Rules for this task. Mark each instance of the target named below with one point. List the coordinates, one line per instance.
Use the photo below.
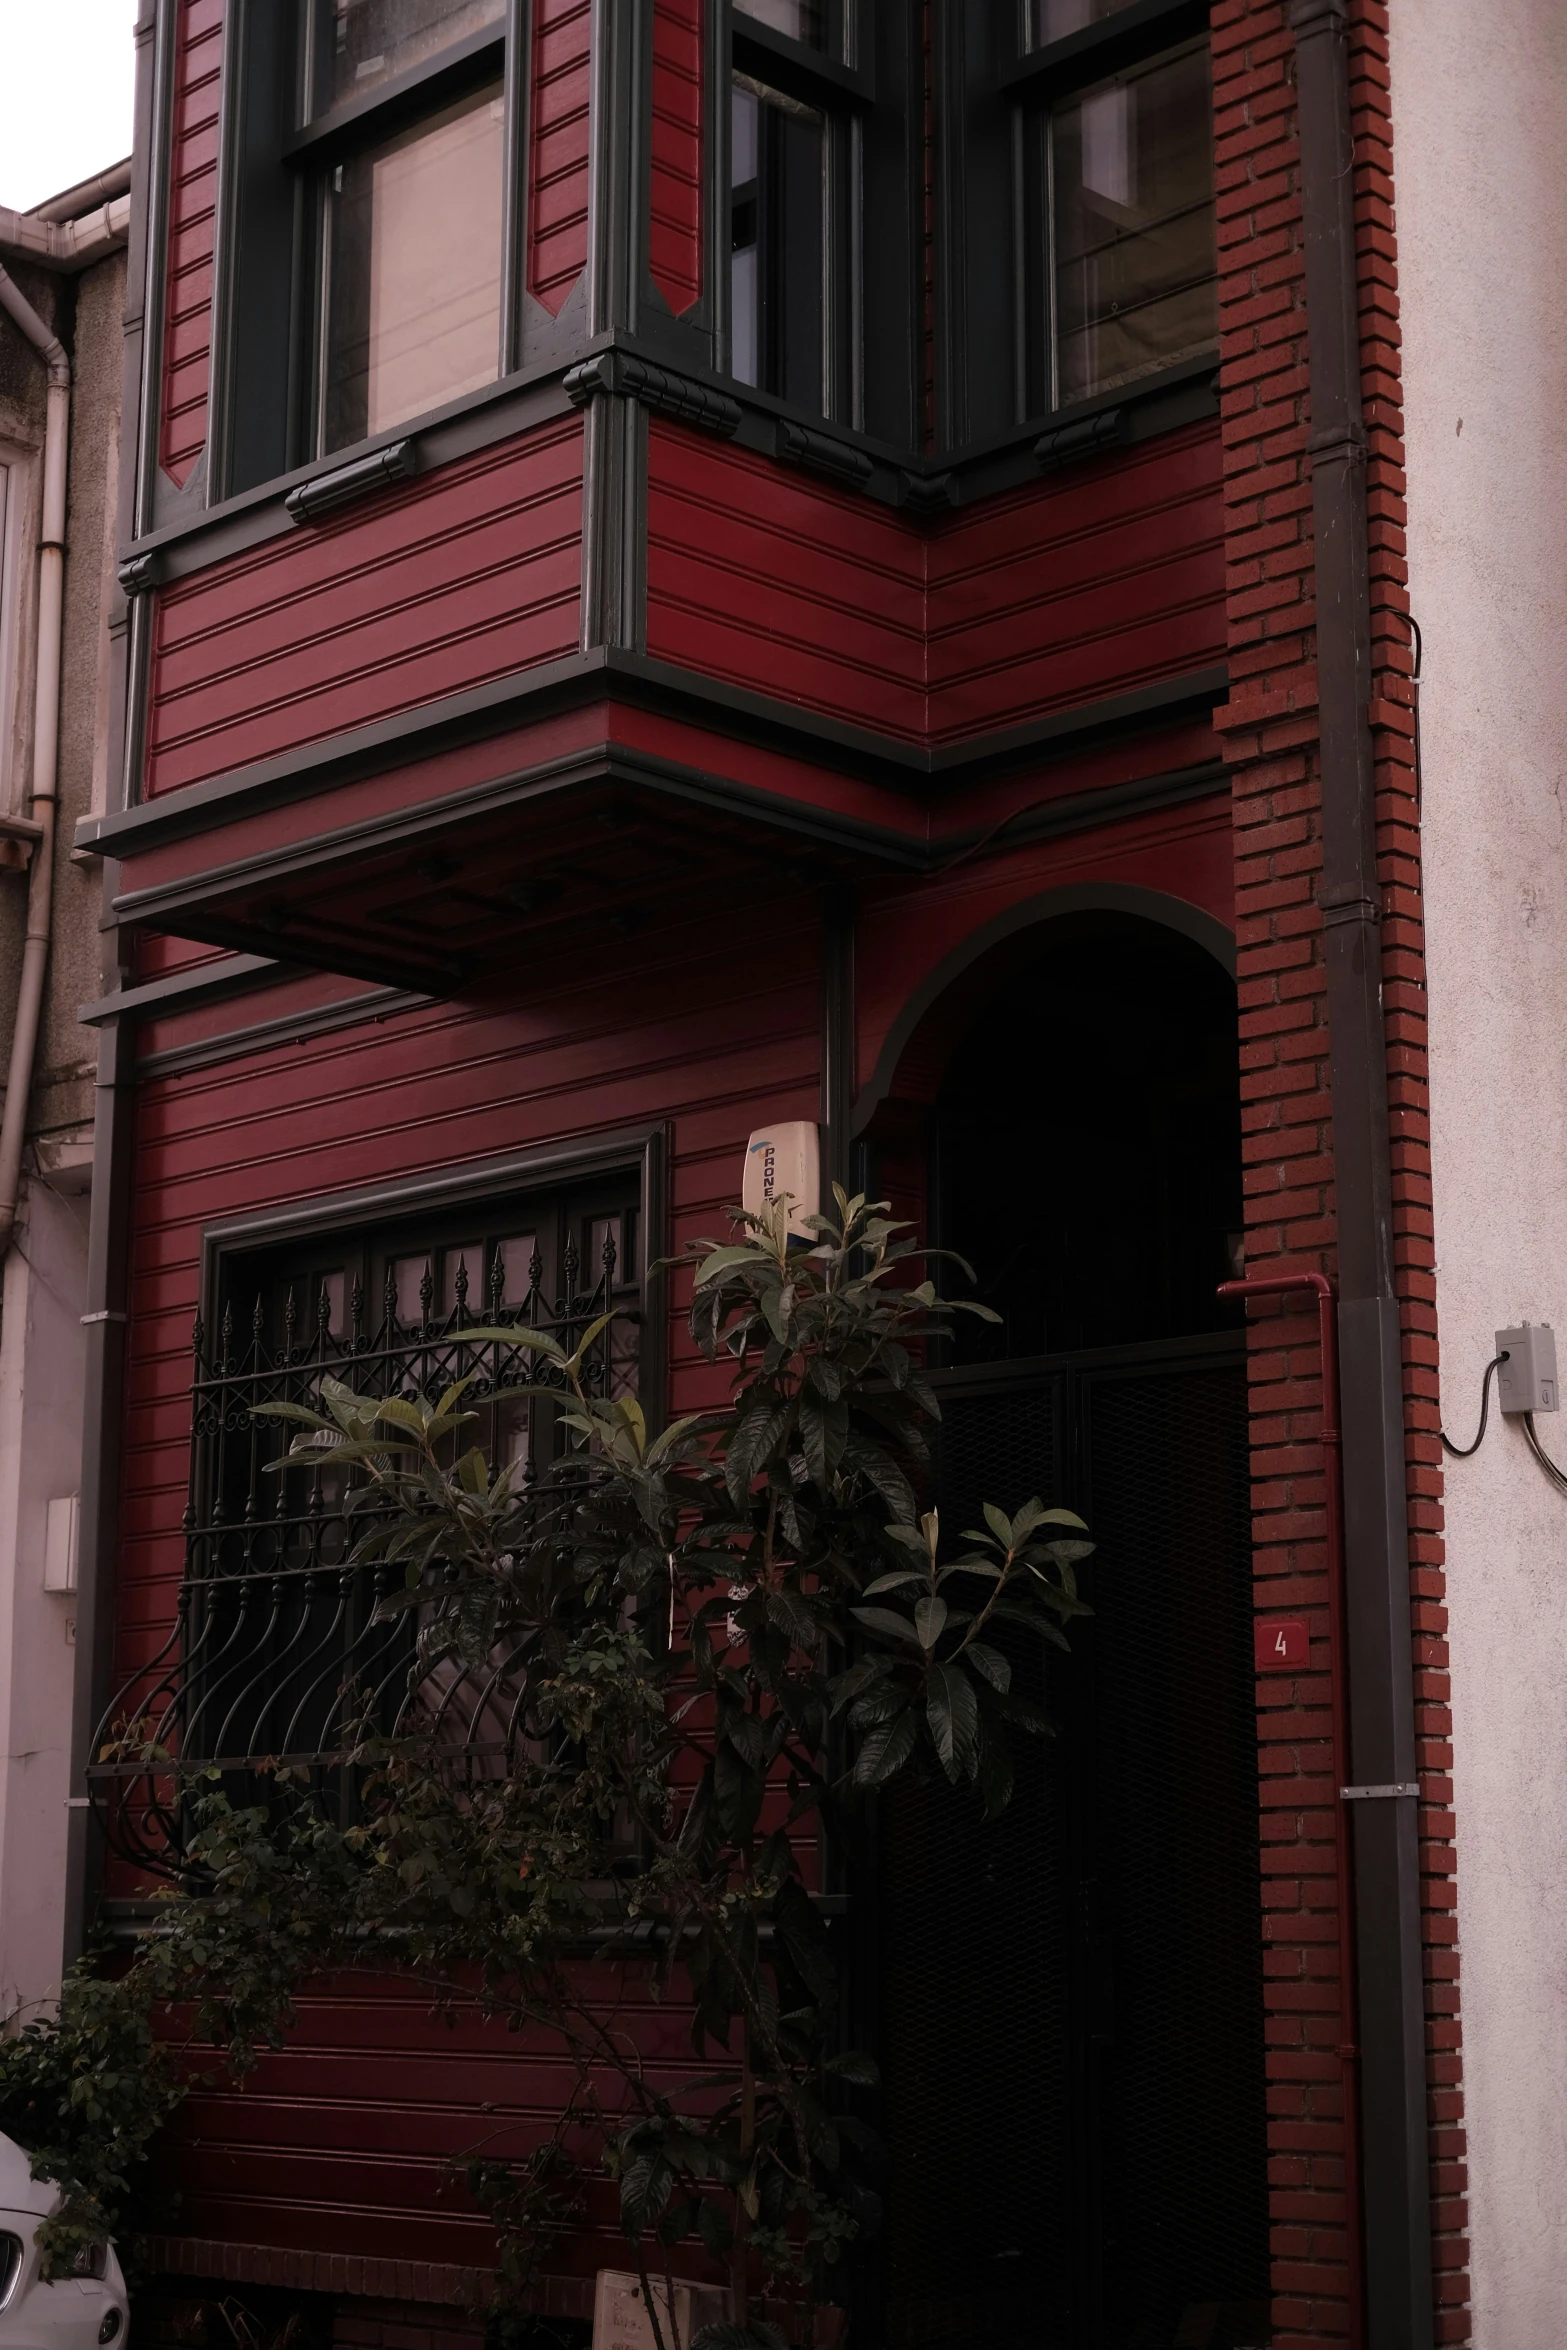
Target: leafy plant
(732, 1630)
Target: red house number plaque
(1282, 1644)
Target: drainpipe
(1395, 2173)
(46, 749)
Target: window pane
(413, 1286)
(1052, 20)
(778, 152)
(413, 301)
(515, 1257)
(1132, 206)
(462, 1282)
(362, 43)
(799, 20)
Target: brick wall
(1270, 732)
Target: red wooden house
(696, 562)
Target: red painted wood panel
(187, 336)
(675, 230)
(907, 931)
(339, 2142)
(766, 578)
(1098, 582)
(667, 1032)
(157, 958)
(465, 576)
(1068, 591)
(558, 149)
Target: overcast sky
(65, 93)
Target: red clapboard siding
(187, 339)
(558, 149)
(340, 2141)
(463, 577)
(675, 235)
(1058, 594)
(1086, 586)
(741, 584)
(677, 1033)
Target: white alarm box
(60, 1544)
(784, 1158)
(1528, 1376)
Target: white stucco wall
(42, 1369)
(1480, 130)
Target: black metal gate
(1068, 2003)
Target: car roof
(19, 2190)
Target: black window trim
(303, 152)
(642, 1152)
(1137, 31)
(844, 93)
(1042, 77)
(358, 122)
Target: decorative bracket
(325, 490)
(1064, 444)
(822, 454)
(19, 836)
(138, 573)
(658, 388)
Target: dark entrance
(1068, 2002)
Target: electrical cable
(1462, 1452)
(1557, 1476)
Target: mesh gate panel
(1171, 1821)
(1069, 2001)
(973, 1987)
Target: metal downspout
(46, 749)
(1395, 2172)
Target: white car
(79, 2312)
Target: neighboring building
(1482, 227)
(65, 264)
(697, 562)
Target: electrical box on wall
(1526, 1382)
(60, 1544)
(779, 1159)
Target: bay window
(352, 46)
(403, 103)
(1117, 242)
(795, 141)
(1130, 174)
(411, 271)
(363, 266)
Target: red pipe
(1278, 1285)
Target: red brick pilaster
(1270, 728)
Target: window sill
(855, 461)
(1186, 393)
(511, 404)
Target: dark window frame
(834, 82)
(269, 1607)
(1036, 84)
(462, 1195)
(268, 393)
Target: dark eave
(636, 681)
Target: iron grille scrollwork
(276, 1652)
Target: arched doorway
(1068, 2002)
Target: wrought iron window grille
(277, 1655)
